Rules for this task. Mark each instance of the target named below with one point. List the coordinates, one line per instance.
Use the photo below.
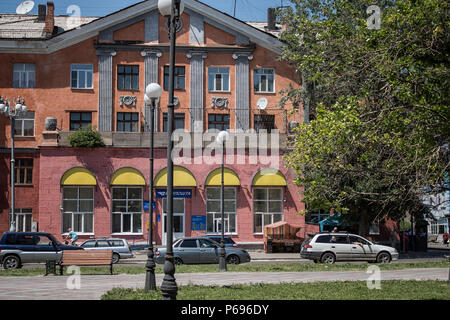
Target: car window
(43, 241)
(229, 240)
(26, 240)
(177, 243)
(354, 239)
(323, 239)
(339, 239)
(189, 243)
(206, 244)
(102, 244)
(10, 239)
(116, 243)
(88, 244)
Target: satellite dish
(262, 103)
(25, 7)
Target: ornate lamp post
(221, 138)
(152, 94)
(171, 9)
(12, 112)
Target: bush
(86, 138)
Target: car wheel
(178, 261)
(328, 258)
(115, 258)
(383, 257)
(11, 262)
(233, 259)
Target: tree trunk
(363, 223)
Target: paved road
(92, 287)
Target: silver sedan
(200, 250)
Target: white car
(119, 247)
(329, 247)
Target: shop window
(267, 207)
(214, 210)
(127, 210)
(78, 209)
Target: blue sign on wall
(177, 193)
(147, 206)
(198, 223)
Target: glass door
(178, 219)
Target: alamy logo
(73, 282)
(374, 280)
(374, 20)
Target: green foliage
(86, 138)
(379, 100)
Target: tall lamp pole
(152, 94)
(171, 9)
(18, 110)
(221, 138)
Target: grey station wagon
(331, 247)
(201, 250)
(119, 247)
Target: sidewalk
(92, 287)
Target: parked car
(199, 250)
(17, 248)
(227, 240)
(119, 247)
(329, 247)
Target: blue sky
(246, 10)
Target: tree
(379, 100)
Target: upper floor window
(178, 119)
(81, 76)
(24, 125)
(219, 121)
(127, 77)
(265, 122)
(218, 79)
(24, 75)
(80, 120)
(24, 171)
(179, 78)
(127, 121)
(263, 80)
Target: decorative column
(151, 76)
(105, 92)
(197, 87)
(242, 90)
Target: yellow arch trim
(127, 177)
(269, 177)
(182, 177)
(230, 178)
(78, 177)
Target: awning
(230, 178)
(182, 177)
(127, 177)
(269, 177)
(78, 177)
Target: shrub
(86, 138)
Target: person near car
(72, 236)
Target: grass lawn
(350, 290)
(249, 267)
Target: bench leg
(111, 268)
(61, 270)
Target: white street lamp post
(18, 110)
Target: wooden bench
(86, 258)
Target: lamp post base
(169, 288)
(150, 280)
(222, 261)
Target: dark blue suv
(17, 248)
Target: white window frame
(219, 213)
(78, 212)
(24, 75)
(223, 83)
(79, 69)
(25, 212)
(264, 74)
(126, 212)
(263, 214)
(22, 119)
